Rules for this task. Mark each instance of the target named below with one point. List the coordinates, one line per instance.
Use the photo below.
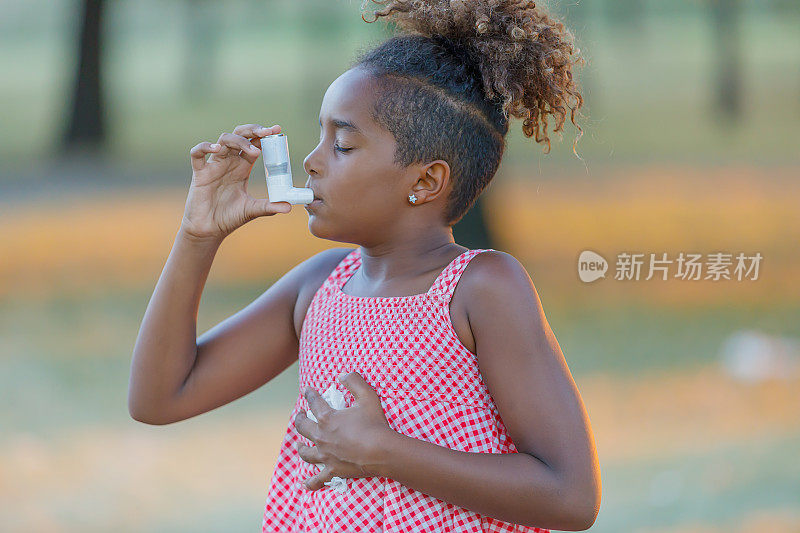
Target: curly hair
(455, 74)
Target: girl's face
(364, 193)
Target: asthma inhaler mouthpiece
(275, 151)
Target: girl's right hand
(218, 202)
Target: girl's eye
(339, 148)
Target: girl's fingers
(233, 141)
(237, 145)
(259, 207)
(198, 153)
(309, 454)
(318, 481)
(255, 130)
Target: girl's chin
(316, 226)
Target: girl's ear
(440, 167)
(436, 178)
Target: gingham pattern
(429, 386)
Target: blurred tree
(86, 125)
(202, 39)
(472, 231)
(726, 17)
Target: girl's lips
(317, 202)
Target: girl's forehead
(349, 98)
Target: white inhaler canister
(275, 151)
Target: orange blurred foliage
(123, 240)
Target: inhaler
(275, 150)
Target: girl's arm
(174, 375)
(554, 482)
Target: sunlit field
(683, 445)
(90, 241)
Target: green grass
(66, 360)
(635, 340)
(65, 367)
(689, 489)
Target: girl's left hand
(347, 441)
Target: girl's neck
(408, 261)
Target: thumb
(263, 207)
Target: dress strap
(442, 288)
(445, 284)
(344, 269)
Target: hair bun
(523, 56)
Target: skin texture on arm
(165, 346)
(253, 346)
(554, 481)
(230, 360)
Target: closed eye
(336, 146)
(341, 149)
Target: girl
(460, 412)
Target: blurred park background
(690, 145)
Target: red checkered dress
(430, 389)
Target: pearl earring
(412, 198)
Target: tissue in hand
(335, 399)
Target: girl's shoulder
(491, 272)
(484, 278)
(492, 266)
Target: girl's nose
(310, 163)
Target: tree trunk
(86, 126)
(728, 59)
(471, 231)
